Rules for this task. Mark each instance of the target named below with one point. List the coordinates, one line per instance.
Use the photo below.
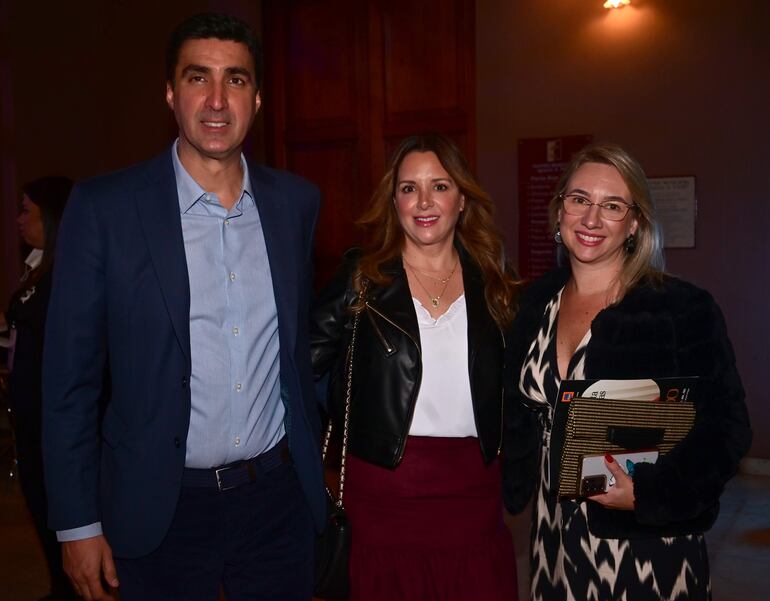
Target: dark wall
(83, 92)
(684, 86)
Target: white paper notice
(674, 199)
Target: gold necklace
(433, 277)
(434, 300)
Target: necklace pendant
(434, 301)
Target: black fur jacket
(674, 329)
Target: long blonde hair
(476, 231)
(646, 261)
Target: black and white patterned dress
(569, 563)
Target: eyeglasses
(612, 210)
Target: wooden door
(345, 80)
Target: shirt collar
(190, 192)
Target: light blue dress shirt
(237, 412)
(235, 385)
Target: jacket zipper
(388, 348)
(412, 402)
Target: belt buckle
(217, 473)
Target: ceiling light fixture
(616, 3)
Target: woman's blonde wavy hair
(476, 231)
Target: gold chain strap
(348, 392)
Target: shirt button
(227, 222)
(237, 440)
(232, 276)
(177, 442)
(235, 331)
(184, 382)
(238, 386)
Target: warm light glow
(616, 3)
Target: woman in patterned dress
(612, 313)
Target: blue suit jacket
(117, 349)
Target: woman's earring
(630, 244)
(557, 236)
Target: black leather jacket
(387, 367)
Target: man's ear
(170, 95)
(257, 101)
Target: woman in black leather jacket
(613, 314)
(423, 485)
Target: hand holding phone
(596, 479)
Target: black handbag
(332, 548)
(332, 554)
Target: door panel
(336, 165)
(346, 80)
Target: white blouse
(444, 406)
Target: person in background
(187, 278)
(423, 483)
(42, 205)
(613, 313)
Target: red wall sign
(541, 163)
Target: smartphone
(596, 478)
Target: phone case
(596, 478)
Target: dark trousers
(256, 541)
(30, 465)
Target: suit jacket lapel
(158, 207)
(281, 255)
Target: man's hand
(620, 496)
(85, 562)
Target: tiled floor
(739, 543)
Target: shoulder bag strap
(348, 391)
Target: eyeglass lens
(577, 205)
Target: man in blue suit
(181, 432)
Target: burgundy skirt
(430, 529)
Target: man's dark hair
(213, 25)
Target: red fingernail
(609, 458)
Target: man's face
(214, 97)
